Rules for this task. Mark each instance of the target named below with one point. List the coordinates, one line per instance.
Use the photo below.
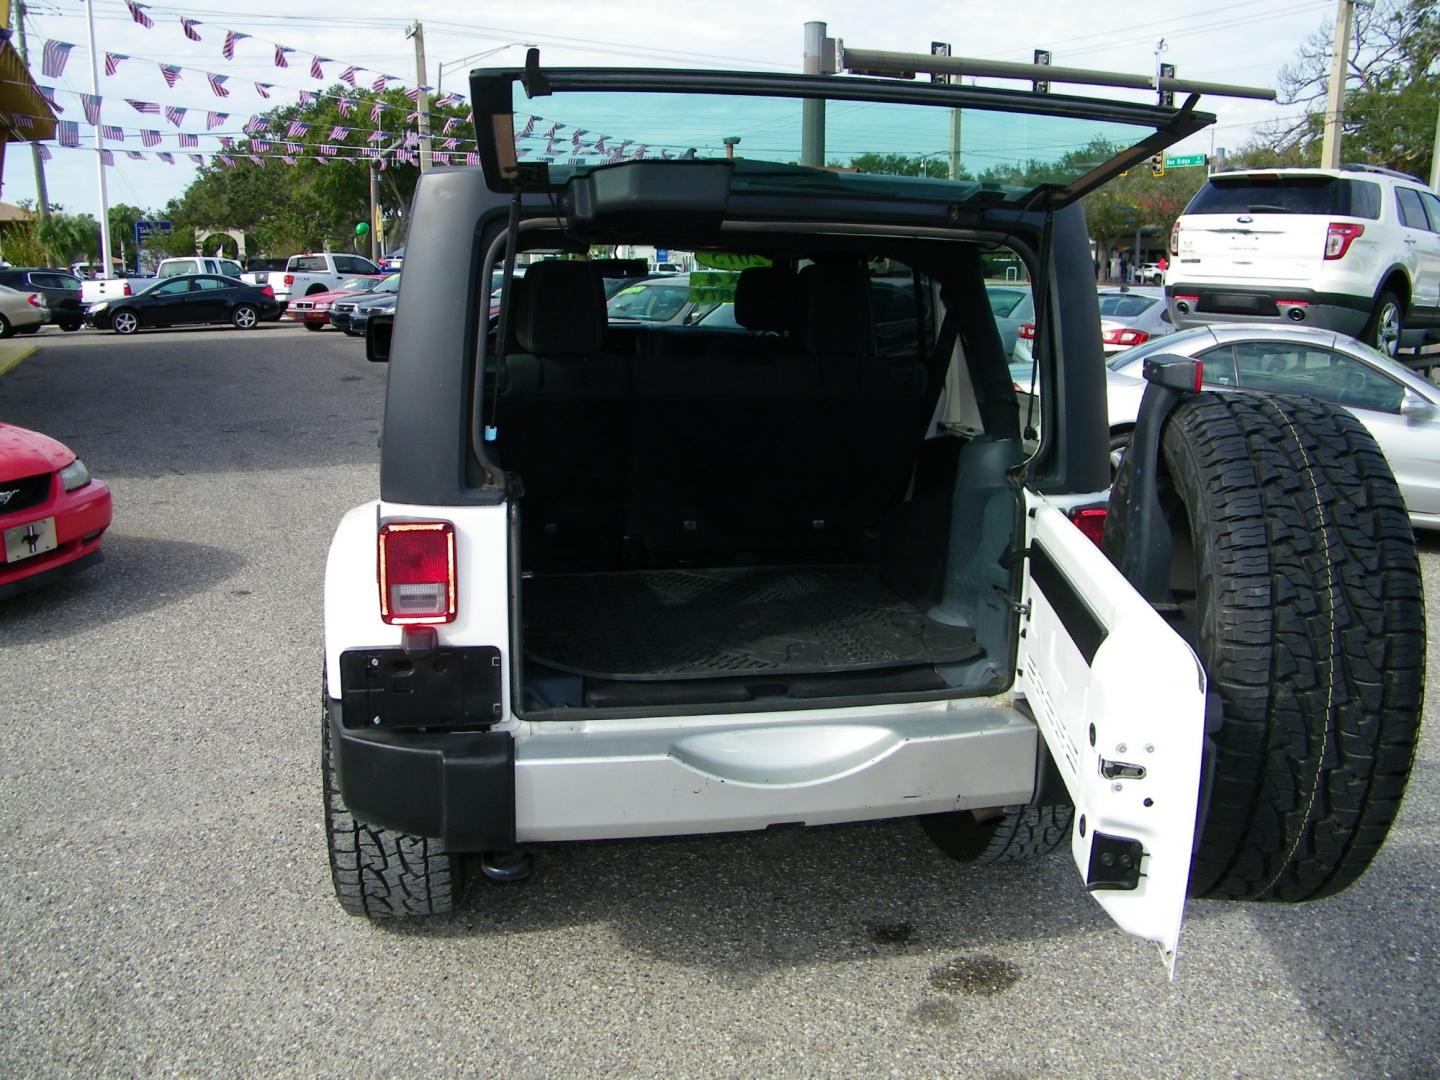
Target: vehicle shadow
(138, 574)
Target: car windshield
(355, 284)
(878, 141)
(1124, 305)
(1003, 302)
(650, 302)
(390, 284)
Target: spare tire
(1295, 577)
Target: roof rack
(1359, 166)
(903, 64)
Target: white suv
(1355, 249)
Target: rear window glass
(1412, 211)
(1288, 195)
(308, 264)
(1124, 307)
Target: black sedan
(179, 301)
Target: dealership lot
(165, 904)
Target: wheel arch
(1397, 281)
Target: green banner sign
(726, 260)
(712, 286)
(1185, 161)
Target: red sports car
(52, 514)
(313, 311)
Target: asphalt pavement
(165, 903)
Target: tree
(1392, 86)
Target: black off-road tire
(1298, 584)
(380, 873)
(1019, 832)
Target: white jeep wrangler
(808, 562)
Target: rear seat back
(561, 419)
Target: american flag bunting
(44, 151)
(260, 145)
(280, 51)
(257, 159)
(226, 160)
(217, 84)
(186, 139)
(67, 132)
(338, 132)
(52, 62)
(171, 74)
(263, 89)
(297, 129)
(344, 106)
(137, 12)
(287, 159)
(348, 75)
(166, 157)
(188, 25)
(379, 84)
(375, 111)
(198, 159)
(107, 157)
(112, 132)
(91, 104)
(48, 93)
(231, 37)
(316, 71)
(148, 108)
(112, 62)
(256, 124)
(215, 119)
(307, 97)
(135, 155)
(175, 114)
(150, 138)
(451, 121)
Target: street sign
(1042, 58)
(146, 229)
(1185, 161)
(939, 48)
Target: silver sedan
(1400, 409)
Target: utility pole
(422, 101)
(42, 197)
(106, 268)
(375, 251)
(1335, 99)
(812, 110)
(1435, 156)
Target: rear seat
(784, 446)
(561, 419)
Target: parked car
(1013, 307)
(52, 512)
(382, 304)
(181, 301)
(21, 312)
(608, 590)
(313, 311)
(1150, 274)
(93, 292)
(60, 289)
(1398, 407)
(341, 310)
(657, 301)
(305, 275)
(1354, 249)
(393, 261)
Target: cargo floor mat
(691, 624)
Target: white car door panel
(1120, 700)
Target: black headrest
(765, 299)
(837, 310)
(561, 309)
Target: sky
(1231, 41)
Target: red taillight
(1124, 335)
(125, 289)
(1027, 331)
(289, 279)
(268, 291)
(1090, 520)
(34, 300)
(1175, 240)
(417, 572)
(1187, 299)
(1338, 238)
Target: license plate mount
(445, 689)
(32, 538)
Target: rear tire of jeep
(1298, 584)
(1019, 832)
(1387, 323)
(380, 873)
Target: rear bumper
(1208, 304)
(612, 779)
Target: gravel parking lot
(165, 903)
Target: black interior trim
(1084, 628)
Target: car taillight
(125, 289)
(1338, 238)
(289, 279)
(268, 291)
(34, 300)
(1124, 335)
(1175, 240)
(1090, 520)
(417, 572)
(1027, 331)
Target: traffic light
(1157, 164)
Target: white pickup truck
(313, 273)
(92, 292)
